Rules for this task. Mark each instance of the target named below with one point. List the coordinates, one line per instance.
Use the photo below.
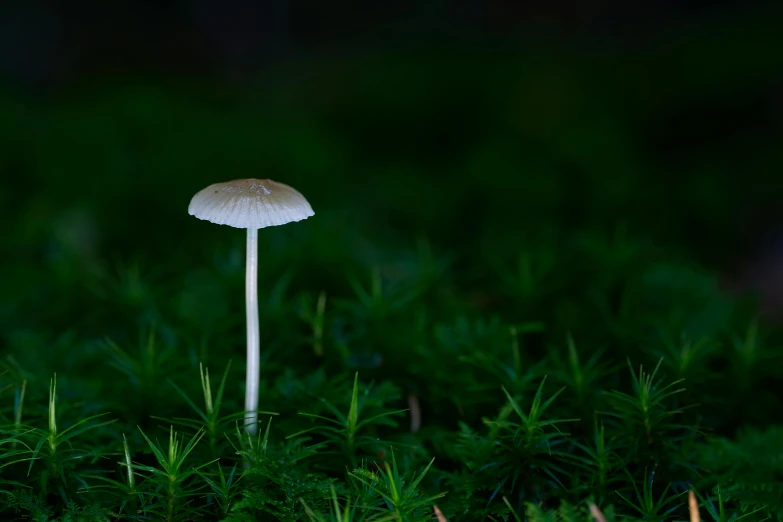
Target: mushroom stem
(253, 341)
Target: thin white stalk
(253, 341)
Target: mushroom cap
(250, 203)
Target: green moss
(558, 347)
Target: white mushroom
(250, 204)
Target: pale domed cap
(250, 203)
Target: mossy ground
(561, 338)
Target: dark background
(580, 170)
(471, 122)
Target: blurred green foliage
(484, 222)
